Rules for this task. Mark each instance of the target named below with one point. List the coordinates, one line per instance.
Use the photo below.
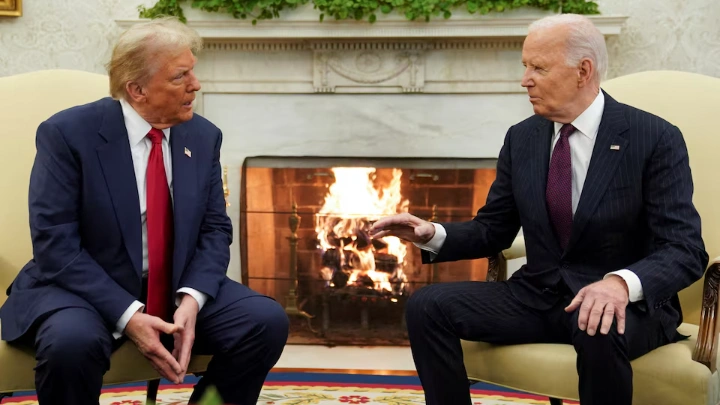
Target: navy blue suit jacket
(635, 212)
(85, 218)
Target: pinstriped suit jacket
(635, 212)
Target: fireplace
(304, 239)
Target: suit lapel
(117, 167)
(539, 153)
(603, 164)
(184, 171)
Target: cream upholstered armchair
(26, 101)
(682, 373)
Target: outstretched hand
(404, 226)
(606, 300)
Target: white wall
(660, 34)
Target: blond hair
(135, 56)
(584, 41)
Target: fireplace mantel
(303, 23)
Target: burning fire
(349, 254)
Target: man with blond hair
(131, 238)
(603, 193)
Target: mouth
(188, 104)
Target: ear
(586, 71)
(135, 92)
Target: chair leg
(555, 401)
(152, 390)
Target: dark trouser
(439, 315)
(246, 338)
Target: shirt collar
(136, 125)
(588, 122)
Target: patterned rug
(313, 389)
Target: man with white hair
(603, 193)
(131, 238)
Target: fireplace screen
(304, 239)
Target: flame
(350, 206)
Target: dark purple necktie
(558, 193)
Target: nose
(526, 81)
(194, 82)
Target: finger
(167, 328)
(607, 319)
(164, 368)
(176, 348)
(575, 303)
(382, 223)
(164, 356)
(596, 313)
(584, 313)
(185, 353)
(620, 316)
(165, 371)
(381, 234)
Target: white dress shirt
(140, 146)
(581, 142)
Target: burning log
(332, 268)
(386, 262)
(340, 278)
(364, 280)
(352, 260)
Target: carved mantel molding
(303, 23)
(298, 54)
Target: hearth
(304, 238)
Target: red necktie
(558, 193)
(159, 218)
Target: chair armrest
(497, 265)
(707, 340)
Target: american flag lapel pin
(187, 152)
(612, 147)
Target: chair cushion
(665, 376)
(126, 365)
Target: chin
(186, 116)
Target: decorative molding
(401, 45)
(254, 46)
(394, 65)
(305, 25)
(250, 45)
(477, 44)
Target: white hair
(584, 41)
(135, 56)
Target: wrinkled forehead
(545, 45)
(175, 60)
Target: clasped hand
(144, 330)
(601, 301)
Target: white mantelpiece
(297, 87)
(303, 23)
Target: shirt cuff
(635, 291)
(435, 244)
(125, 318)
(201, 298)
